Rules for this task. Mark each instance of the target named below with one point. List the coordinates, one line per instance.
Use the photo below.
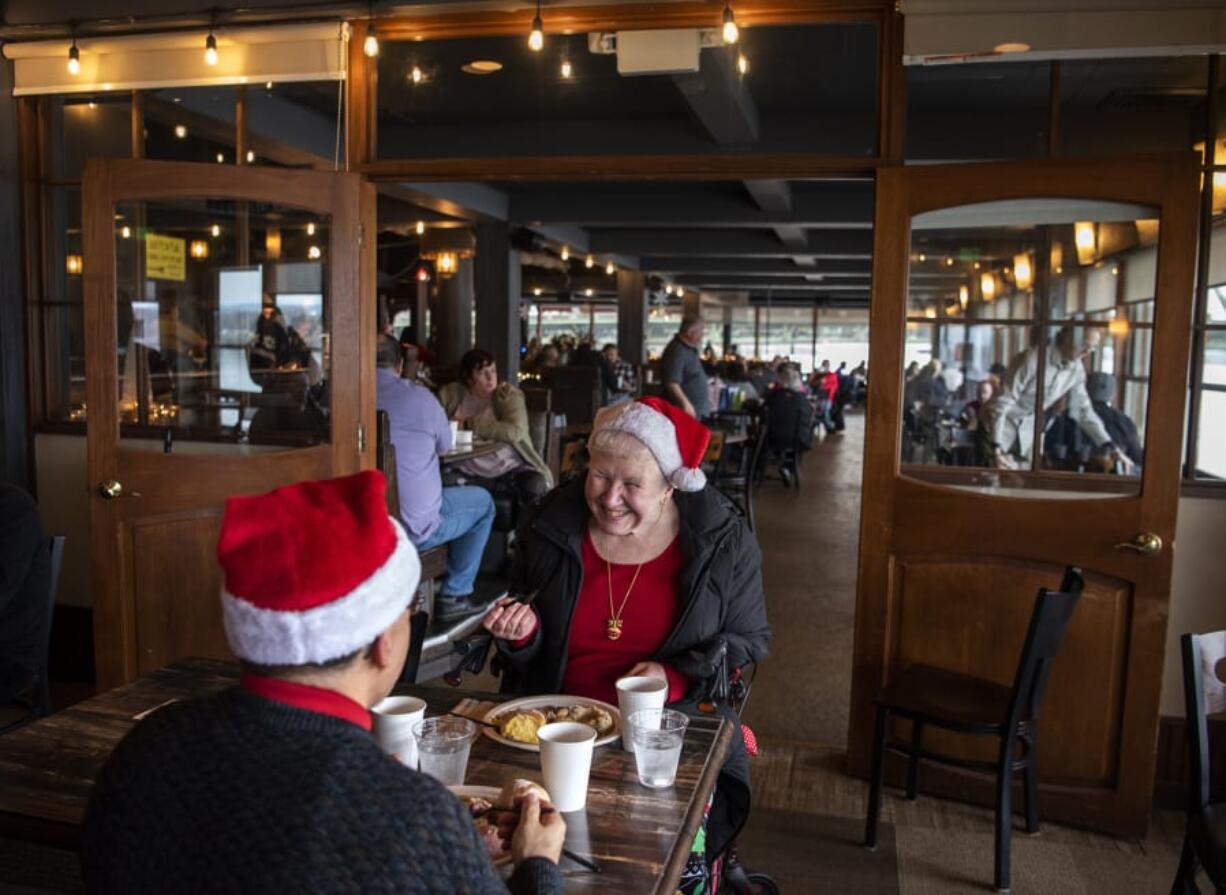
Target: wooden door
(230, 332)
(1058, 279)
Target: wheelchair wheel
(761, 884)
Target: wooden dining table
(639, 837)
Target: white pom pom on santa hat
(677, 440)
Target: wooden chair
(37, 704)
(925, 695)
(1204, 687)
(715, 451)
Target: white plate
(491, 794)
(536, 702)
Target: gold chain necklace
(613, 627)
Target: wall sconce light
(447, 247)
(199, 249)
(73, 264)
(1085, 236)
(446, 263)
(987, 286)
(1023, 271)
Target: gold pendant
(613, 628)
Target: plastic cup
(635, 693)
(442, 747)
(658, 737)
(393, 719)
(566, 762)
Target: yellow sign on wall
(165, 257)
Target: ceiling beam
(751, 243)
(719, 99)
(821, 206)
(764, 266)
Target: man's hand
(510, 619)
(1126, 465)
(537, 836)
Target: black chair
(736, 481)
(925, 695)
(36, 700)
(1204, 687)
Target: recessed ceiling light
(1012, 47)
(481, 67)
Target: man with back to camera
(685, 381)
(459, 516)
(276, 784)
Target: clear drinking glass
(658, 736)
(442, 747)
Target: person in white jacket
(1010, 414)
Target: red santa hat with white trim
(675, 439)
(313, 571)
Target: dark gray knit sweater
(235, 793)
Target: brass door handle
(110, 489)
(1146, 543)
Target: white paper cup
(566, 762)
(634, 693)
(455, 430)
(393, 719)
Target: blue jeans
(467, 514)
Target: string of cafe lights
(370, 46)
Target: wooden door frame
(1168, 183)
(350, 204)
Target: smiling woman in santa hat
(632, 570)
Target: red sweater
(594, 662)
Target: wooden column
(498, 288)
(631, 316)
(453, 314)
(13, 460)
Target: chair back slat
(1203, 656)
(1053, 610)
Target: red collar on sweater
(313, 699)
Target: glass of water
(442, 747)
(658, 735)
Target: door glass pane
(1025, 301)
(1211, 430)
(223, 319)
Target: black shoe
(451, 609)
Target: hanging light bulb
(370, 46)
(964, 296)
(210, 49)
(537, 291)
(311, 228)
(565, 253)
(731, 32)
(742, 64)
(126, 232)
(587, 292)
(536, 38)
(609, 268)
(215, 230)
(589, 262)
(74, 58)
(421, 227)
(566, 69)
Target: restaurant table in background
(641, 837)
(479, 449)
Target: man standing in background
(685, 382)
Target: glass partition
(1029, 339)
(223, 320)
